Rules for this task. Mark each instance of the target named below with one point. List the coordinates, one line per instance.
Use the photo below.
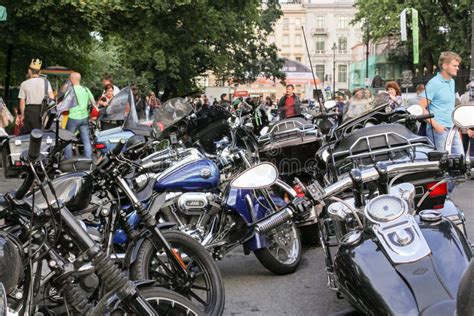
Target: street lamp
(334, 47)
(367, 42)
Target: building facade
(331, 37)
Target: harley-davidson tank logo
(205, 173)
(420, 271)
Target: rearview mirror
(463, 116)
(260, 176)
(415, 109)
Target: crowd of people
(438, 97)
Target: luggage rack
(288, 130)
(386, 143)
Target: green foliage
(175, 42)
(444, 25)
(162, 45)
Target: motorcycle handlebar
(35, 144)
(372, 175)
(424, 117)
(118, 148)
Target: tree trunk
(8, 71)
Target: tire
(207, 289)
(269, 257)
(310, 235)
(165, 302)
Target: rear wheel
(206, 288)
(283, 252)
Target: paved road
(252, 290)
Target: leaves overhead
(166, 44)
(444, 25)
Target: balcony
(319, 31)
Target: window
(286, 40)
(297, 23)
(286, 23)
(320, 22)
(298, 59)
(342, 73)
(298, 40)
(343, 22)
(319, 70)
(320, 44)
(342, 45)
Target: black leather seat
(76, 164)
(379, 142)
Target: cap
(36, 64)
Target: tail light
(99, 146)
(440, 190)
(298, 190)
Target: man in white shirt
(32, 93)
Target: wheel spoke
(199, 287)
(198, 298)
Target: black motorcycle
(50, 264)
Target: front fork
(111, 276)
(150, 224)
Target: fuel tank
(191, 174)
(73, 189)
(374, 285)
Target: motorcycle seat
(75, 164)
(382, 136)
(140, 130)
(440, 308)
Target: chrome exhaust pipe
(274, 220)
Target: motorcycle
(51, 264)
(406, 261)
(131, 235)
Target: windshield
(67, 98)
(169, 113)
(121, 107)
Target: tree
(174, 42)
(444, 25)
(56, 31)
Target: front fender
(135, 244)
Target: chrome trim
(371, 175)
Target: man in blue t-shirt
(439, 98)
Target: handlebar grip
(118, 148)
(35, 144)
(424, 117)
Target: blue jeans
(83, 127)
(439, 141)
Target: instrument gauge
(385, 208)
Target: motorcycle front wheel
(283, 252)
(206, 288)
